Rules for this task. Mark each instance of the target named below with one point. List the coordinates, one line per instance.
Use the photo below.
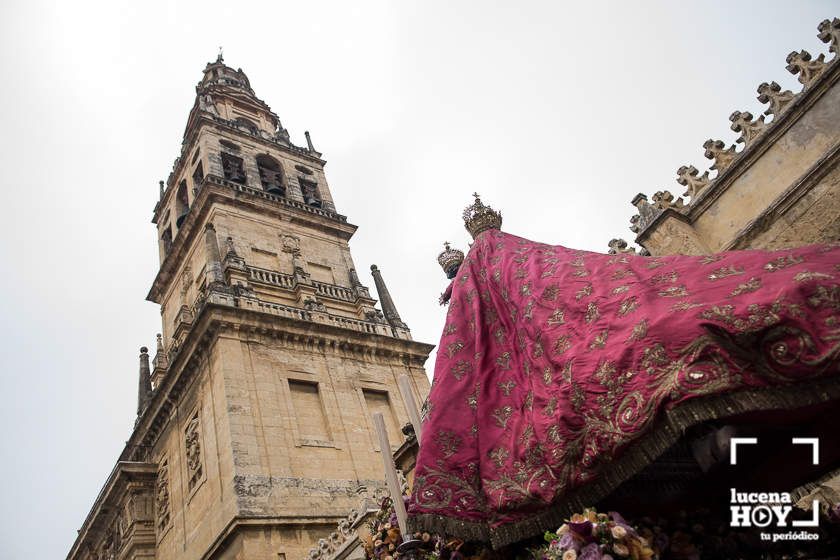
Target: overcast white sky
(557, 113)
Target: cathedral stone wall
(778, 190)
(195, 444)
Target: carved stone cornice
(220, 315)
(789, 109)
(126, 478)
(215, 189)
(775, 130)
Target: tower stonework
(256, 437)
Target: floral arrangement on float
(595, 536)
(586, 536)
(598, 536)
(385, 540)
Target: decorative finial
(220, 59)
(830, 33)
(309, 141)
(808, 70)
(450, 260)
(750, 128)
(160, 184)
(620, 246)
(772, 93)
(144, 387)
(688, 176)
(723, 157)
(479, 218)
(388, 307)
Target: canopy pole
(390, 471)
(410, 404)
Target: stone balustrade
(266, 276)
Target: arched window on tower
(271, 175)
(182, 204)
(233, 169)
(309, 190)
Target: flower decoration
(595, 536)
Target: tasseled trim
(635, 458)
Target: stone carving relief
(206, 103)
(674, 238)
(830, 33)
(664, 199)
(192, 443)
(687, 176)
(344, 532)
(723, 157)
(162, 497)
(313, 304)
(186, 282)
(620, 246)
(779, 100)
(290, 243)
(750, 128)
(647, 213)
(346, 529)
(375, 316)
(808, 70)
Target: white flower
(621, 549)
(570, 555)
(618, 532)
(563, 529)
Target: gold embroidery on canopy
(454, 348)
(782, 262)
(600, 340)
(639, 331)
(750, 285)
(664, 278)
(628, 306)
(725, 272)
(592, 313)
(498, 456)
(673, 291)
(562, 344)
(506, 386)
(709, 259)
(806, 275)
(502, 415)
(556, 318)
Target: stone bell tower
(254, 426)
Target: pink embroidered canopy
(558, 369)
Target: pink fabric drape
(553, 362)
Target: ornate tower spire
(388, 307)
(144, 388)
